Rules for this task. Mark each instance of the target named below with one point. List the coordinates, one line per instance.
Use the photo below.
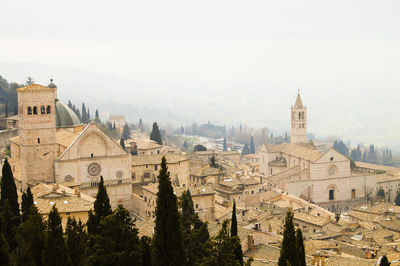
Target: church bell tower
(37, 132)
(298, 133)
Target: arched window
(48, 109)
(35, 110)
(29, 110)
(42, 110)
(331, 194)
(299, 115)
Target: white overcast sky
(249, 57)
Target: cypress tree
(75, 240)
(252, 149)
(301, 254)
(26, 204)
(102, 208)
(187, 210)
(155, 134)
(213, 163)
(9, 190)
(85, 118)
(234, 234)
(30, 238)
(288, 249)
(168, 246)
(145, 249)
(9, 225)
(122, 143)
(117, 242)
(4, 251)
(140, 125)
(384, 261)
(245, 150)
(225, 148)
(126, 132)
(96, 115)
(55, 251)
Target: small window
(155, 167)
(331, 194)
(68, 213)
(29, 110)
(91, 155)
(42, 110)
(158, 151)
(48, 109)
(38, 140)
(147, 166)
(119, 182)
(252, 192)
(35, 110)
(331, 158)
(133, 176)
(197, 206)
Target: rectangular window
(353, 193)
(155, 167)
(331, 194)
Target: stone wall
(5, 135)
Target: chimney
(250, 241)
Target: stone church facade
(54, 147)
(298, 167)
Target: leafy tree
(29, 81)
(168, 246)
(384, 261)
(234, 234)
(213, 163)
(199, 147)
(30, 238)
(122, 143)
(155, 134)
(9, 190)
(117, 242)
(26, 204)
(222, 251)
(301, 253)
(4, 251)
(102, 208)
(245, 150)
(55, 251)
(76, 238)
(252, 149)
(288, 248)
(397, 199)
(126, 132)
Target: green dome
(65, 117)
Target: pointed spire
(299, 103)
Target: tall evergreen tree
(96, 115)
(222, 251)
(225, 147)
(288, 248)
(75, 237)
(301, 253)
(252, 148)
(245, 150)
(9, 226)
(140, 125)
(30, 238)
(9, 190)
(85, 118)
(26, 204)
(102, 208)
(384, 261)
(213, 163)
(234, 233)
(145, 249)
(117, 242)
(168, 246)
(155, 134)
(4, 251)
(55, 250)
(122, 143)
(126, 132)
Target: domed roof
(65, 117)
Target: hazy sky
(229, 62)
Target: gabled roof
(35, 87)
(296, 150)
